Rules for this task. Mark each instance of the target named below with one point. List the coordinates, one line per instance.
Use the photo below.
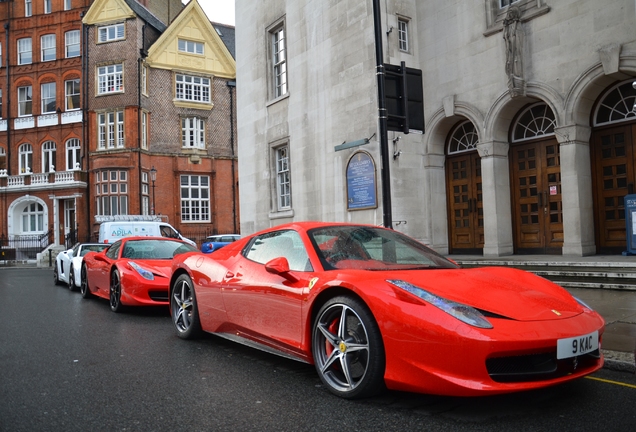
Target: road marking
(612, 382)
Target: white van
(113, 228)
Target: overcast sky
(220, 11)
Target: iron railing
(26, 247)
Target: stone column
(576, 190)
(495, 182)
(435, 197)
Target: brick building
(160, 99)
(42, 175)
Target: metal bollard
(50, 258)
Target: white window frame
(48, 7)
(110, 130)
(193, 132)
(111, 33)
(48, 48)
(48, 94)
(111, 192)
(49, 153)
(279, 61)
(145, 193)
(283, 178)
(403, 35)
(72, 41)
(0, 55)
(25, 158)
(32, 218)
(73, 154)
(0, 106)
(25, 49)
(25, 101)
(110, 79)
(144, 130)
(506, 3)
(195, 198)
(28, 8)
(68, 5)
(72, 92)
(192, 88)
(191, 47)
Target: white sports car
(68, 264)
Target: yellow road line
(612, 382)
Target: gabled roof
(193, 25)
(228, 36)
(105, 11)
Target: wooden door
(465, 209)
(536, 194)
(613, 174)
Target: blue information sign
(361, 187)
(630, 221)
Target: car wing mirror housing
(280, 266)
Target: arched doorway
(613, 164)
(464, 193)
(536, 182)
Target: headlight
(462, 312)
(146, 274)
(582, 303)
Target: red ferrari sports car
(134, 271)
(372, 308)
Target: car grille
(159, 295)
(537, 367)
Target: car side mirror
(280, 266)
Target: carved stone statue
(513, 37)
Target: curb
(619, 361)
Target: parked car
(216, 242)
(372, 308)
(68, 264)
(133, 271)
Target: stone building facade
(529, 144)
(161, 101)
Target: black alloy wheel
(84, 289)
(183, 308)
(115, 292)
(71, 279)
(56, 276)
(347, 348)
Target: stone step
(602, 275)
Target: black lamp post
(153, 177)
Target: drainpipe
(85, 131)
(142, 56)
(232, 85)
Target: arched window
(25, 154)
(48, 156)
(535, 121)
(73, 154)
(464, 138)
(617, 104)
(33, 218)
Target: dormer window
(111, 33)
(190, 46)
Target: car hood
(157, 267)
(512, 293)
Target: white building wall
(333, 99)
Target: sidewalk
(617, 307)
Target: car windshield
(93, 248)
(155, 249)
(370, 248)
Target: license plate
(572, 347)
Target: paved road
(69, 364)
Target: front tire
(71, 279)
(56, 276)
(347, 348)
(183, 308)
(115, 292)
(84, 289)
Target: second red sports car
(372, 308)
(134, 271)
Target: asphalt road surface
(69, 364)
